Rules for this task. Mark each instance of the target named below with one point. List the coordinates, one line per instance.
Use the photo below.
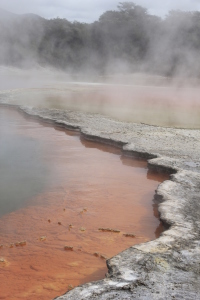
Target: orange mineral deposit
(45, 169)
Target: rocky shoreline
(169, 267)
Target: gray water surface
(23, 172)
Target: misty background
(127, 39)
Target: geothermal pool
(168, 106)
(58, 190)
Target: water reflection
(24, 173)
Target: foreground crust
(169, 267)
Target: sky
(89, 10)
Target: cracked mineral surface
(169, 267)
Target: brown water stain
(90, 186)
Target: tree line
(127, 39)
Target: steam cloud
(127, 39)
(128, 45)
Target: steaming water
(49, 174)
(163, 106)
(154, 100)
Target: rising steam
(126, 50)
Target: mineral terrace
(169, 267)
